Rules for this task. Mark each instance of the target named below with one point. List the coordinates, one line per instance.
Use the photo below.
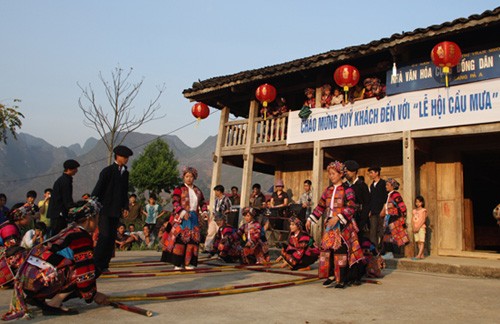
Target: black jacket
(62, 197)
(362, 202)
(378, 197)
(111, 191)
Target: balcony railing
(266, 131)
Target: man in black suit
(111, 191)
(62, 198)
(378, 198)
(362, 194)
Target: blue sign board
(473, 67)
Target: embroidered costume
(395, 220)
(300, 252)
(255, 248)
(227, 244)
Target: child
(255, 248)
(326, 96)
(311, 98)
(226, 241)
(418, 225)
(337, 98)
(123, 241)
(299, 253)
(34, 236)
(152, 211)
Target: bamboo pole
(164, 274)
(133, 309)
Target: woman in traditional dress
(181, 239)
(300, 252)
(255, 247)
(395, 235)
(11, 252)
(226, 241)
(340, 243)
(59, 269)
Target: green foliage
(155, 169)
(10, 120)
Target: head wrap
(248, 210)
(20, 211)
(337, 166)
(308, 90)
(295, 220)
(326, 87)
(191, 170)
(84, 209)
(219, 216)
(393, 183)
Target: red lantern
(446, 55)
(346, 76)
(265, 93)
(200, 111)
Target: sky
(48, 47)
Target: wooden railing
(236, 133)
(267, 131)
(270, 130)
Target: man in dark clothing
(378, 198)
(62, 198)
(111, 191)
(362, 194)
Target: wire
(103, 159)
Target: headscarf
(295, 220)
(248, 210)
(393, 183)
(337, 166)
(20, 212)
(84, 209)
(219, 216)
(191, 170)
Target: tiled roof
(460, 24)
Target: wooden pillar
(428, 189)
(317, 171)
(217, 158)
(246, 181)
(409, 185)
(318, 97)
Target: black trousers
(103, 251)
(57, 224)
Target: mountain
(30, 163)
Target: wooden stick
(133, 309)
(163, 274)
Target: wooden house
(440, 142)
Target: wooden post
(246, 180)
(217, 158)
(409, 185)
(318, 97)
(317, 183)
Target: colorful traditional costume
(300, 251)
(341, 240)
(227, 244)
(395, 217)
(182, 238)
(62, 264)
(255, 247)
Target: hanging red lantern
(446, 55)
(346, 76)
(265, 93)
(200, 111)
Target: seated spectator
(123, 241)
(131, 229)
(34, 236)
(226, 242)
(300, 252)
(311, 98)
(338, 97)
(255, 247)
(145, 238)
(326, 96)
(281, 106)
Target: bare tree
(117, 121)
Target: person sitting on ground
(59, 269)
(145, 238)
(34, 236)
(123, 241)
(131, 229)
(255, 247)
(226, 242)
(300, 251)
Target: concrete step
(452, 265)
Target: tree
(117, 121)
(10, 120)
(155, 169)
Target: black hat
(351, 165)
(123, 151)
(374, 168)
(70, 164)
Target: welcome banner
(468, 104)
